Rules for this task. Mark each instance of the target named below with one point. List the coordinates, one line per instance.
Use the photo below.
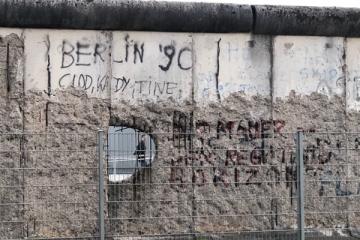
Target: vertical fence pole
(101, 184)
(300, 184)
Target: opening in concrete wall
(129, 149)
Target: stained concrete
(238, 97)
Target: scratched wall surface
(252, 86)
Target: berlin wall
(252, 85)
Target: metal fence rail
(179, 185)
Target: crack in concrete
(217, 70)
(8, 88)
(48, 64)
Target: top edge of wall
(179, 17)
(313, 21)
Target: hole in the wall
(129, 150)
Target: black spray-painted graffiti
(170, 52)
(134, 52)
(137, 50)
(148, 87)
(84, 81)
(81, 54)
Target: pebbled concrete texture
(11, 95)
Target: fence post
(101, 184)
(300, 184)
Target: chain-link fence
(179, 185)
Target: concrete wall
(78, 81)
(130, 66)
(148, 67)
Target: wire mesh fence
(128, 184)
(48, 186)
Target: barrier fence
(127, 184)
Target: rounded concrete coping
(179, 17)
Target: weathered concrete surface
(318, 21)
(62, 176)
(241, 96)
(230, 63)
(308, 64)
(180, 17)
(11, 93)
(127, 15)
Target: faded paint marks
(308, 64)
(353, 70)
(139, 66)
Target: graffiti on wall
(135, 67)
(219, 147)
(252, 152)
(82, 55)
